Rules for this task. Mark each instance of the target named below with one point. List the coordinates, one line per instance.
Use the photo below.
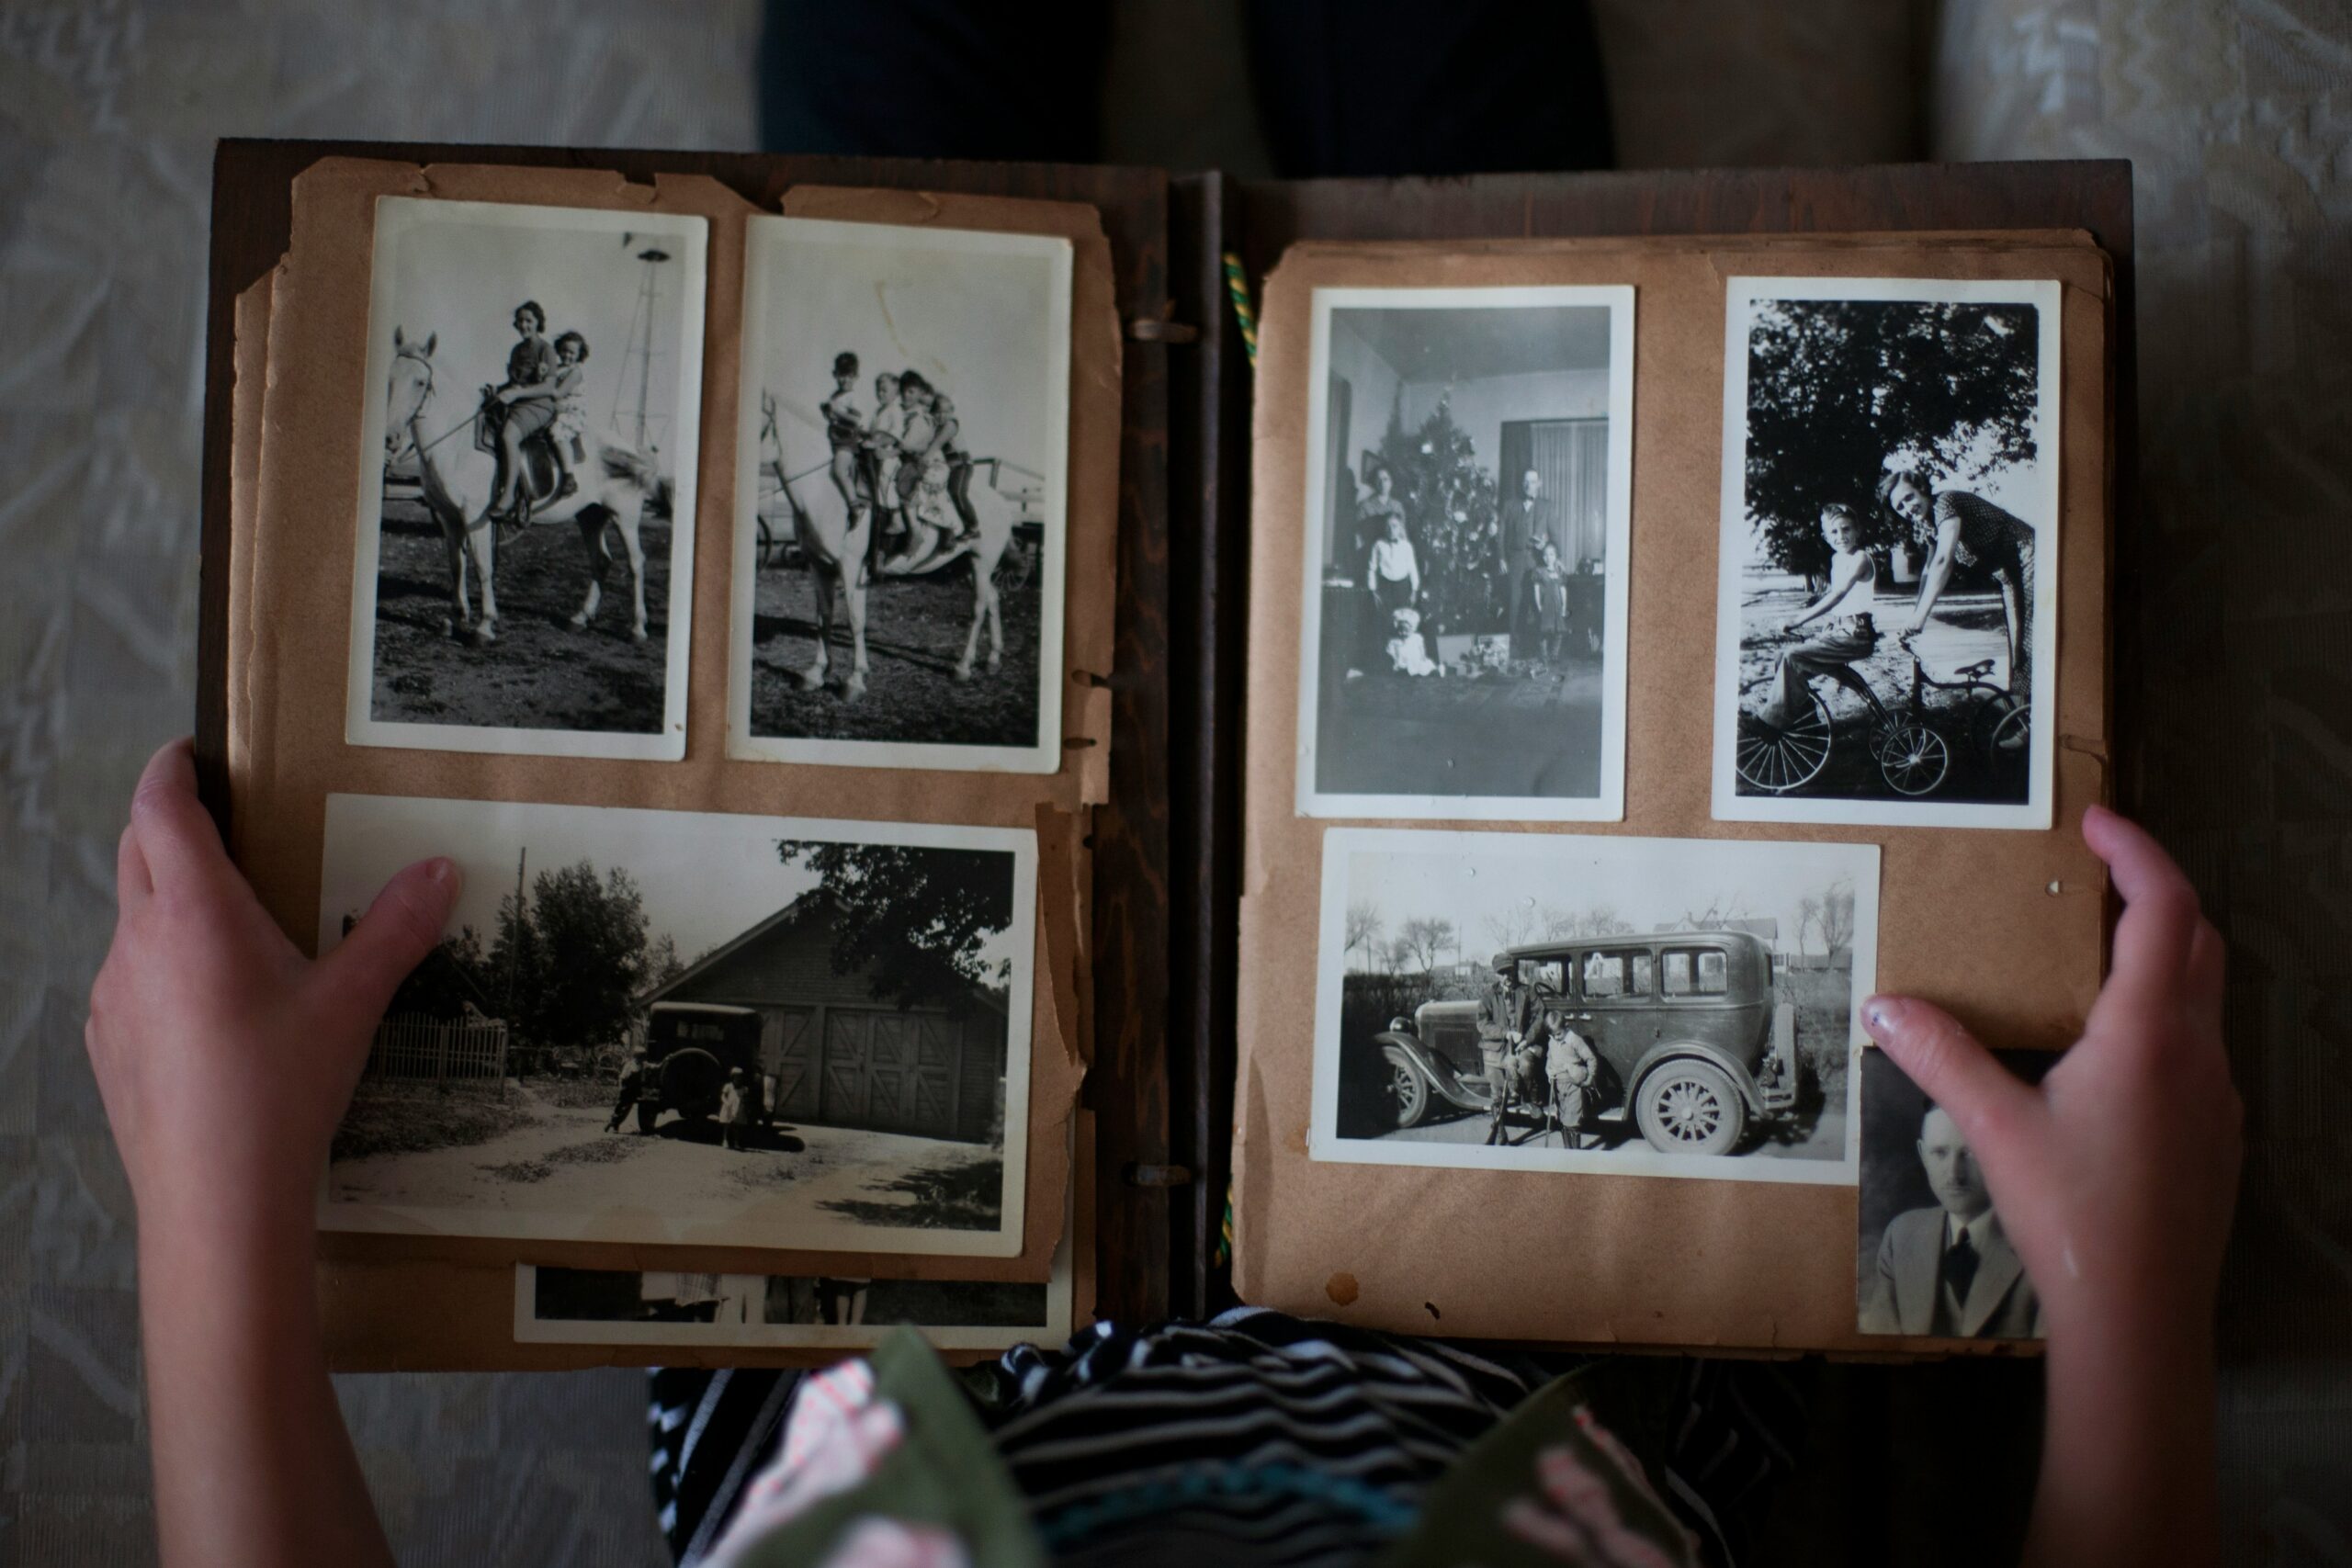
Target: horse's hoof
(812, 680)
(484, 635)
(636, 634)
(996, 662)
(963, 671)
(577, 623)
(854, 689)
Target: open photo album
(986, 804)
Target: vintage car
(1692, 1040)
(689, 1048)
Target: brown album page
(301, 354)
(2005, 927)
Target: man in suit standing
(1949, 1272)
(1530, 521)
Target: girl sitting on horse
(570, 408)
(881, 445)
(527, 400)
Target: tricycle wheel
(1775, 758)
(1690, 1108)
(647, 1115)
(1914, 760)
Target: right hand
(2115, 1178)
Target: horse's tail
(660, 499)
(634, 469)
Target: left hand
(225, 1057)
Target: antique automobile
(689, 1047)
(1692, 1042)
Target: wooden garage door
(891, 1071)
(788, 1057)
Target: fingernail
(1877, 1016)
(443, 871)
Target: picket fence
(415, 1049)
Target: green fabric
(1464, 1518)
(945, 1473)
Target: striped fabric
(1256, 1437)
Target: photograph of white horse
(901, 467)
(618, 483)
(836, 544)
(534, 377)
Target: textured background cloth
(2238, 116)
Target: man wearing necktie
(1949, 1272)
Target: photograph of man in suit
(1949, 1272)
(1530, 521)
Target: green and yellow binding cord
(1237, 288)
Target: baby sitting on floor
(1408, 654)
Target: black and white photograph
(684, 1027)
(1887, 582)
(592, 1306)
(523, 571)
(1468, 496)
(1931, 1259)
(1546, 1001)
(901, 491)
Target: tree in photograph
(1364, 929)
(1837, 917)
(1836, 390)
(917, 917)
(663, 964)
(1808, 916)
(592, 931)
(1514, 925)
(518, 964)
(1424, 939)
(1450, 511)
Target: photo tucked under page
(1467, 503)
(1626, 1006)
(596, 1306)
(522, 581)
(1931, 1259)
(902, 538)
(729, 1031)
(1886, 637)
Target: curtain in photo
(1572, 457)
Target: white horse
(618, 483)
(835, 540)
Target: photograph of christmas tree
(1466, 522)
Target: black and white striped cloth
(1259, 1437)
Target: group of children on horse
(907, 462)
(539, 401)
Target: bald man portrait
(1949, 1272)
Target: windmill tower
(636, 378)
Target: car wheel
(647, 1115)
(1407, 1092)
(1690, 1108)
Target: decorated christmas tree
(1450, 513)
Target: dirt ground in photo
(559, 1160)
(540, 674)
(915, 629)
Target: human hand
(225, 1057)
(2115, 1177)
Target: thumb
(1988, 1101)
(399, 929)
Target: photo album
(1005, 781)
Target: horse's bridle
(423, 445)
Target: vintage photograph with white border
(1468, 506)
(1551, 1002)
(1886, 630)
(579, 1306)
(547, 617)
(901, 545)
(698, 1028)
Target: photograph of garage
(695, 1027)
(826, 1049)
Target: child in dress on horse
(882, 446)
(571, 409)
